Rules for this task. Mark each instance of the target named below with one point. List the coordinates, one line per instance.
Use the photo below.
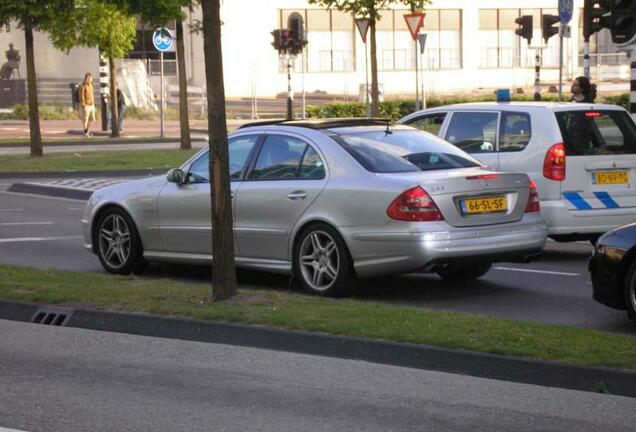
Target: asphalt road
(57, 378)
(45, 232)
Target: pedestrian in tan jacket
(87, 103)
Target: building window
(146, 51)
(603, 52)
(330, 40)
(396, 48)
(502, 48)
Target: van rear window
(597, 132)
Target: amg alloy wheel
(118, 244)
(322, 262)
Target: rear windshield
(404, 151)
(597, 132)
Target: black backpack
(76, 94)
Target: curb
(491, 366)
(80, 174)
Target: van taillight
(533, 200)
(554, 163)
(414, 205)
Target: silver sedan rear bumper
(380, 253)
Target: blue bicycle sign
(162, 39)
(565, 10)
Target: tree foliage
(95, 23)
(35, 13)
(367, 8)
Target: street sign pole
(162, 39)
(566, 8)
(417, 83)
(366, 78)
(161, 90)
(537, 75)
(561, 67)
(414, 22)
(363, 28)
(422, 41)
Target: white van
(582, 157)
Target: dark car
(613, 269)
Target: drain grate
(51, 316)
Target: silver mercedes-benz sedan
(327, 201)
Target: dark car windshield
(404, 151)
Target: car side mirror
(175, 175)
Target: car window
(473, 132)
(404, 151)
(312, 166)
(239, 150)
(595, 132)
(279, 158)
(431, 123)
(515, 131)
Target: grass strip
(96, 160)
(334, 316)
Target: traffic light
(525, 29)
(595, 17)
(278, 40)
(547, 21)
(623, 21)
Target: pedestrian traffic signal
(547, 22)
(595, 17)
(278, 40)
(623, 21)
(525, 29)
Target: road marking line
(24, 223)
(12, 210)
(538, 271)
(36, 239)
(10, 430)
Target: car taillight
(554, 163)
(414, 205)
(533, 200)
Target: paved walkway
(82, 147)
(72, 129)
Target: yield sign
(414, 22)
(363, 28)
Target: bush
(621, 99)
(396, 109)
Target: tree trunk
(375, 103)
(223, 271)
(34, 112)
(114, 131)
(184, 119)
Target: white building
(471, 45)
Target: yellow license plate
(484, 205)
(611, 177)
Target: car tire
(464, 272)
(118, 244)
(322, 263)
(630, 292)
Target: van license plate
(611, 177)
(494, 204)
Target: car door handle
(296, 195)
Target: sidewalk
(72, 129)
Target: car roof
(523, 105)
(328, 126)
